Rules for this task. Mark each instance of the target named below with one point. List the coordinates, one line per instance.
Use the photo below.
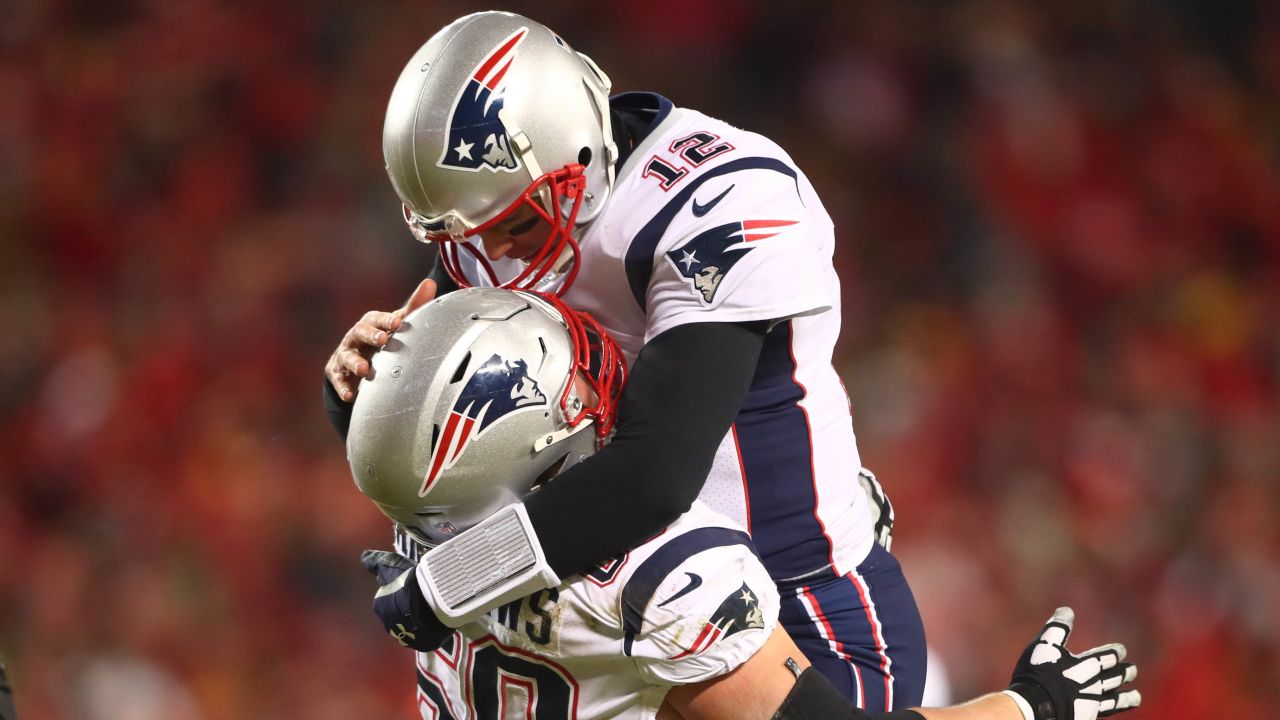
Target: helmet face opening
(553, 201)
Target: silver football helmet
(493, 114)
(477, 397)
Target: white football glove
(1051, 683)
(881, 508)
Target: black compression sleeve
(444, 283)
(813, 697)
(685, 389)
(339, 412)
(337, 409)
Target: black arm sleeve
(685, 389)
(339, 412)
(814, 698)
(444, 283)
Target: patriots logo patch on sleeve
(710, 255)
(496, 390)
(477, 138)
(740, 611)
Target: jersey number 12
(693, 149)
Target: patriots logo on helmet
(710, 255)
(496, 390)
(740, 611)
(477, 137)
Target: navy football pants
(862, 631)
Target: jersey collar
(635, 115)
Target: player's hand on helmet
(350, 361)
(399, 603)
(881, 508)
(1059, 685)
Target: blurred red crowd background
(1060, 249)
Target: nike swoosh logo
(694, 579)
(700, 210)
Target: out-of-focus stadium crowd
(1059, 241)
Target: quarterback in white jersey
(707, 254)
(720, 226)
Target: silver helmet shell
(462, 413)
(486, 107)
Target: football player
(483, 397)
(706, 253)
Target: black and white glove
(399, 602)
(7, 711)
(1051, 683)
(881, 508)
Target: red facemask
(598, 361)
(556, 187)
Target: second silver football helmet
(493, 114)
(476, 397)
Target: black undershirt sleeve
(339, 412)
(685, 389)
(444, 283)
(813, 697)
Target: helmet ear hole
(584, 156)
(552, 470)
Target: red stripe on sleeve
(765, 224)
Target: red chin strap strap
(597, 358)
(567, 183)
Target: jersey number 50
(498, 677)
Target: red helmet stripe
(440, 452)
(497, 56)
(497, 77)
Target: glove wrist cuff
(1033, 700)
(1023, 705)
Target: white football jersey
(711, 223)
(688, 605)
